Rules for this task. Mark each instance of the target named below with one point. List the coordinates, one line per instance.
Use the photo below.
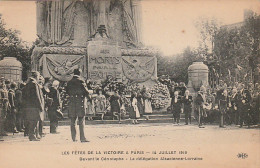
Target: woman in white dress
(90, 112)
(147, 102)
(134, 112)
(100, 105)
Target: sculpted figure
(55, 21)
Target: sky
(168, 25)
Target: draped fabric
(131, 28)
(55, 21)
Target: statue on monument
(65, 29)
(56, 21)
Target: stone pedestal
(97, 61)
(104, 60)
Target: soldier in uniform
(33, 103)
(187, 106)
(77, 91)
(176, 106)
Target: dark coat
(176, 107)
(18, 99)
(77, 91)
(115, 103)
(140, 103)
(187, 103)
(200, 99)
(33, 100)
(11, 98)
(54, 95)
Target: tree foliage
(11, 45)
(229, 51)
(238, 46)
(177, 66)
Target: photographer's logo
(242, 155)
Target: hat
(77, 71)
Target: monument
(103, 38)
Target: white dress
(148, 106)
(134, 104)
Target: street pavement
(219, 147)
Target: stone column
(136, 8)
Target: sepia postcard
(130, 83)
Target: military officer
(187, 106)
(77, 91)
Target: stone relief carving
(57, 20)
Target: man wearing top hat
(33, 104)
(77, 91)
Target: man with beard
(187, 103)
(54, 95)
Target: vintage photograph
(130, 83)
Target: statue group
(88, 34)
(73, 23)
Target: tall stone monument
(102, 37)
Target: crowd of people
(24, 106)
(235, 104)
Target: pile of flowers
(160, 95)
(109, 86)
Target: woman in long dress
(134, 112)
(115, 106)
(140, 103)
(147, 103)
(90, 112)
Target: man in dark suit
(33, 103)
(199, 103)
(55, 104)
(222, 103)
(187, 106)
(77, 91)
(176, 105)
(233, 106)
